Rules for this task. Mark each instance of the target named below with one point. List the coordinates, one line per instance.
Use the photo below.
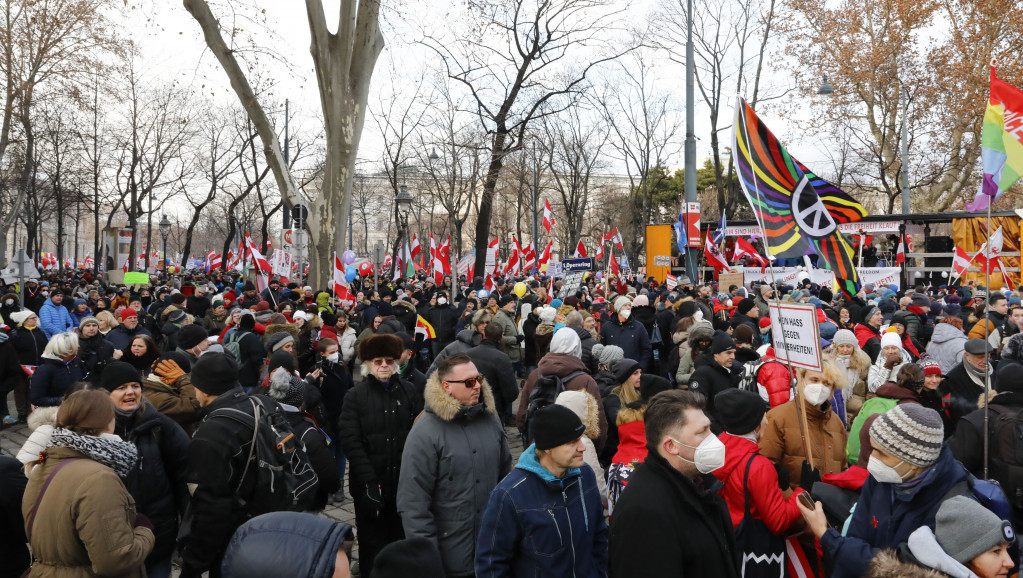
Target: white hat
(891, 338)
(621, 302)
(19, 317)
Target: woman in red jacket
(760, 512)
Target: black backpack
(545, 392)
(285, 480)
(1006, 456)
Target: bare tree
(524, 60)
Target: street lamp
(404, 204)
(165, 226)
(825, 88)
(433, 155)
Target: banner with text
(799, 341)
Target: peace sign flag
(797, 209)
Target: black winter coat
(95, 352)
(529, 331)
(375, 421)
(157, 483)
(444, 319)
(13, 543)
(29, 345)
(333, 383)
(406, 314)
(632, 337)
(960, 395)
(710, 379)
(52, 378)
(496, 367)
(646, 520)
(587, 342)
(319, 455)
(250, 347)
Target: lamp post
(165, 226)
(690, 147)
(404, 204)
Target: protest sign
(795, 334)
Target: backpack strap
(571, 376)
(39, 499)
(247, 420)
(745, 487)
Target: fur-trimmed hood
(43, 416)
(280, 328)
(404, 305)
(887, 565)
(858, 361)
(584, 406)
(446, 407)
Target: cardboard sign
(571, 284)
(795, 334)
(726, 280)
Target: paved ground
(12, 438)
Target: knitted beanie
(930, 366)
(608, 354)
(912, 433)
(844, 337)
(621, 302)
(966, 529)
(891, 337)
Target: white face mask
(698, 316)
(882, 472)
(9, 302)
(709, 455)
(442, 301)
(816, 393)
(333, 357)
(728, 303)
(625, 313)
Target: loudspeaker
(939, 244)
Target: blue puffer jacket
(538, 525)
(285, 544)
(54, 319)
(887, 514)
(632, 337)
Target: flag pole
(987, 356)
(803, 427)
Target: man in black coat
(493, 364)
(376, 417)
(444, 318)
(746, 312)
(198, 304)
(93, 349)
(715, 371)
(272, 295)
(674, 483)
(963, 386)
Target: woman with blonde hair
(845, 352)
(812, 418)
(107, 321)
(586, 407)
(79, 518)
(60, 368)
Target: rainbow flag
(1001, 141)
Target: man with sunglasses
(376, 417)
(454, 456)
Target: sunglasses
(468, 383)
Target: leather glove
(519, 338)
(784, 479)
(169, 371)
(808, 476)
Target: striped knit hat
(912, 433)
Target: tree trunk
(497, 153)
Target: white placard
(662, 260)
(795, 334)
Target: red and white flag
(714, 258)
(126, 264)
(492, 254)
(529, 258)
(89, 261)
(415, 248)
(445, 255)
(550, 290)
(340, 282)
(671, 281)
(900, 253)
(488, 284)
(548, 216)
(960, 262)
(546, 256)
(435, 263)
(600, 250)
(990, 253)
(615, 237)
(258, 260)
(744, 249)
(580, 249)
(616, 269)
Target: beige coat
(83, 526)
(782, 443)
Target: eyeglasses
(468, 383)
(379, 361)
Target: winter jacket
(346, 345)
(176, 401)
(646, 538)
(774, 380)
(454, 456)
(375, 422)
(887, 564)
(285, 544)
(967, 444)
(443, 318)
(85, 525)
(856, 369)
(540, 526)
(464, 341)
(52, 378)
(960, 394)
(710, 379)
(887, 514)
(333, 383)
(250, 348)
(216, 460)
(888, 396)
(542, 340)
(406, 313)
(95, 352)
(782, 443)
(496, 367)
(869, 340)
(13, 549)
(632, 337)
(645, 315)
(561, 364)
(506, 320)
(29, 344)
(529, 327)
(212, 322)
(880, 375)
(947, 346)
(587, 342)
(157, 482)
(320, 458)
(120, 337)
(54, 319)
(767, 503)
(76, 315)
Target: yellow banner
(658, 251)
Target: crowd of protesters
(662, 434)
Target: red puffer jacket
(767, 503)
(775, 378)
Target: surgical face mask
(709, 455)
(728, 303)
(9, 302)
(46, 293)
(698, 316)
(625, 313)
(816, 393)
(884, 473)
(333, 357)
(442, 301)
